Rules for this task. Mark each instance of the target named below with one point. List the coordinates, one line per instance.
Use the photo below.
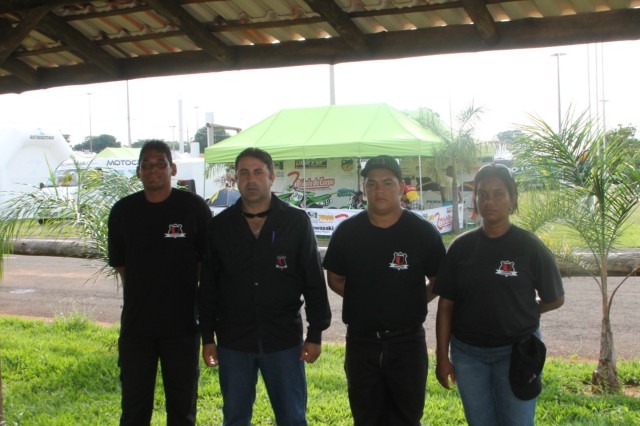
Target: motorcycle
(309, 199)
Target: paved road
(42, 286)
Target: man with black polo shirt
(377, 261)
(156, 242)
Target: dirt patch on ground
(42, 286)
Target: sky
(511, 86)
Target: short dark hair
(503, 173)
(256, 153)
(155, 145)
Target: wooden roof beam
(10, 6)
(341, 22)
(177, 15)
(21, 71)
(79, 43)
(12, 38)
(482, 20)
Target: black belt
(386, 334)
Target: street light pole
(557, 55)
(90, 130)
(604, 125)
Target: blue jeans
(284, 377)
(482, 376)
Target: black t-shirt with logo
(493, 283)
(385, 270)
(160, 246)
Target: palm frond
(60, 211)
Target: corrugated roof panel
(281, 34)
(55, 60)
(86, 27)
(254, 9)
(498, 13)
(181, 43)
(456, 16)
(118, 51)
(201, 11)
(134, 49)
(107, 26)
(36, 40)
(284, 8)
(367, 25)
(548, 7)
(520, 10)
(253, 37)
(129, 22)
(306, 31)
(150, 19)
(40, 62)
(581, 6)
(618, 4)
(391, 22)
(421, 20)
(234, 38)
(566, 8)
(226, 10)
(68, 58)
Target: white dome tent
(28, 156)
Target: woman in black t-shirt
(493, 285)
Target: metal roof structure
(51, 43)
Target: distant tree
(97, 143)
(67, 137)
(219, 134)
(631, 144)
(510, 136)
(138, 144)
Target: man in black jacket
(262, 260)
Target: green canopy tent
(350, 131)
(124, 152)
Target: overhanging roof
(50, 43)
(350, 131)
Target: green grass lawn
(65, 373)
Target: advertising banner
(326, 182)
(325, 221)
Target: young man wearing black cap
(377, 261)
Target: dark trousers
(386, 378)
(179, 362)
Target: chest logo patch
(175, 231)
(281, 262)
(507, 269)
(399, 261)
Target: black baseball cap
(525, 371)
(382, 162)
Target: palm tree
(460, 147)
(592, 189)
